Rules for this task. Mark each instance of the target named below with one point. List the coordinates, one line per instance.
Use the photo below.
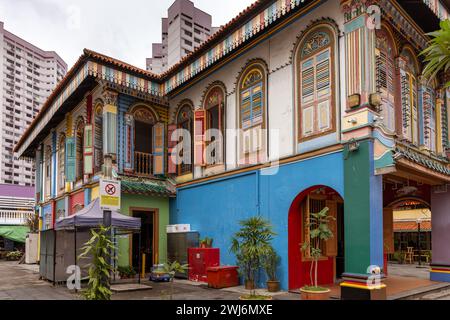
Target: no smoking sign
(110, 195)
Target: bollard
(143, 266)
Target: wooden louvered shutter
(158, 148)
(406, 104)
(88, 150)
(331, 244)
(323, 90)
(129, 142)
(199, 137)
(246, 109)
(71, 159)
(307, 97)
(388, 230)
(257, 104)
(171, 162)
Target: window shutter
(110, 129)
(129, 142)
(324, 115)
(38, 162)
(158, 149)
(88, 151)
(308, 120)
(199, 137)
(406, 104)
(71, 159)
(171, 165)
(331, 244)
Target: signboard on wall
(110, 194)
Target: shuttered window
(385, 77)
(185, 121)
(98, 138)
(70, 159)
(61, 163)
(214, 106)
(79, 141)
(252, 99)
(409, 97)
(316, 85)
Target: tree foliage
(437, 54)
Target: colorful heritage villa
(358, 130)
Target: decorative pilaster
(110, 123)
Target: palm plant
(251, 244)
(99, 248)
(320, 231)
(437, 54)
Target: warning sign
(110, 194)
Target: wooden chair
(409, 255)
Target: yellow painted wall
(412, 215)
(94, 193)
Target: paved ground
(21, 282)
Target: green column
(363, 207)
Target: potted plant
(271, 262)
(171, 269)
(206, 243)
(126, 272)
(251, 244)
(320, 231)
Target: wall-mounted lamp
(353, 145)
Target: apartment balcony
(143, 163)
(14, 218)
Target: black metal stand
(107, 224)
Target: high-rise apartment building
(185, 28)
(28, 75)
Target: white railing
(14, 218)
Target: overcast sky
(124, 29)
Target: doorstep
(129, 287)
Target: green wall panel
(148, 202)
(357, 208)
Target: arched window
(409, 84)
(214, 105)
(48, 171)
(61, 163)
(315, 65)
(185, 121)
(79, 141)
(252, 97)
(385, 76)
(98, 138)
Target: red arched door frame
(299, 270)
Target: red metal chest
(200, 259)
(223, 277)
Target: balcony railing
(14, 218)
(143, 163)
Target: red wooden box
(223, 277)
(199, 260)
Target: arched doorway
(331, 265)
(406, 222)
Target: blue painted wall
(215, 208)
